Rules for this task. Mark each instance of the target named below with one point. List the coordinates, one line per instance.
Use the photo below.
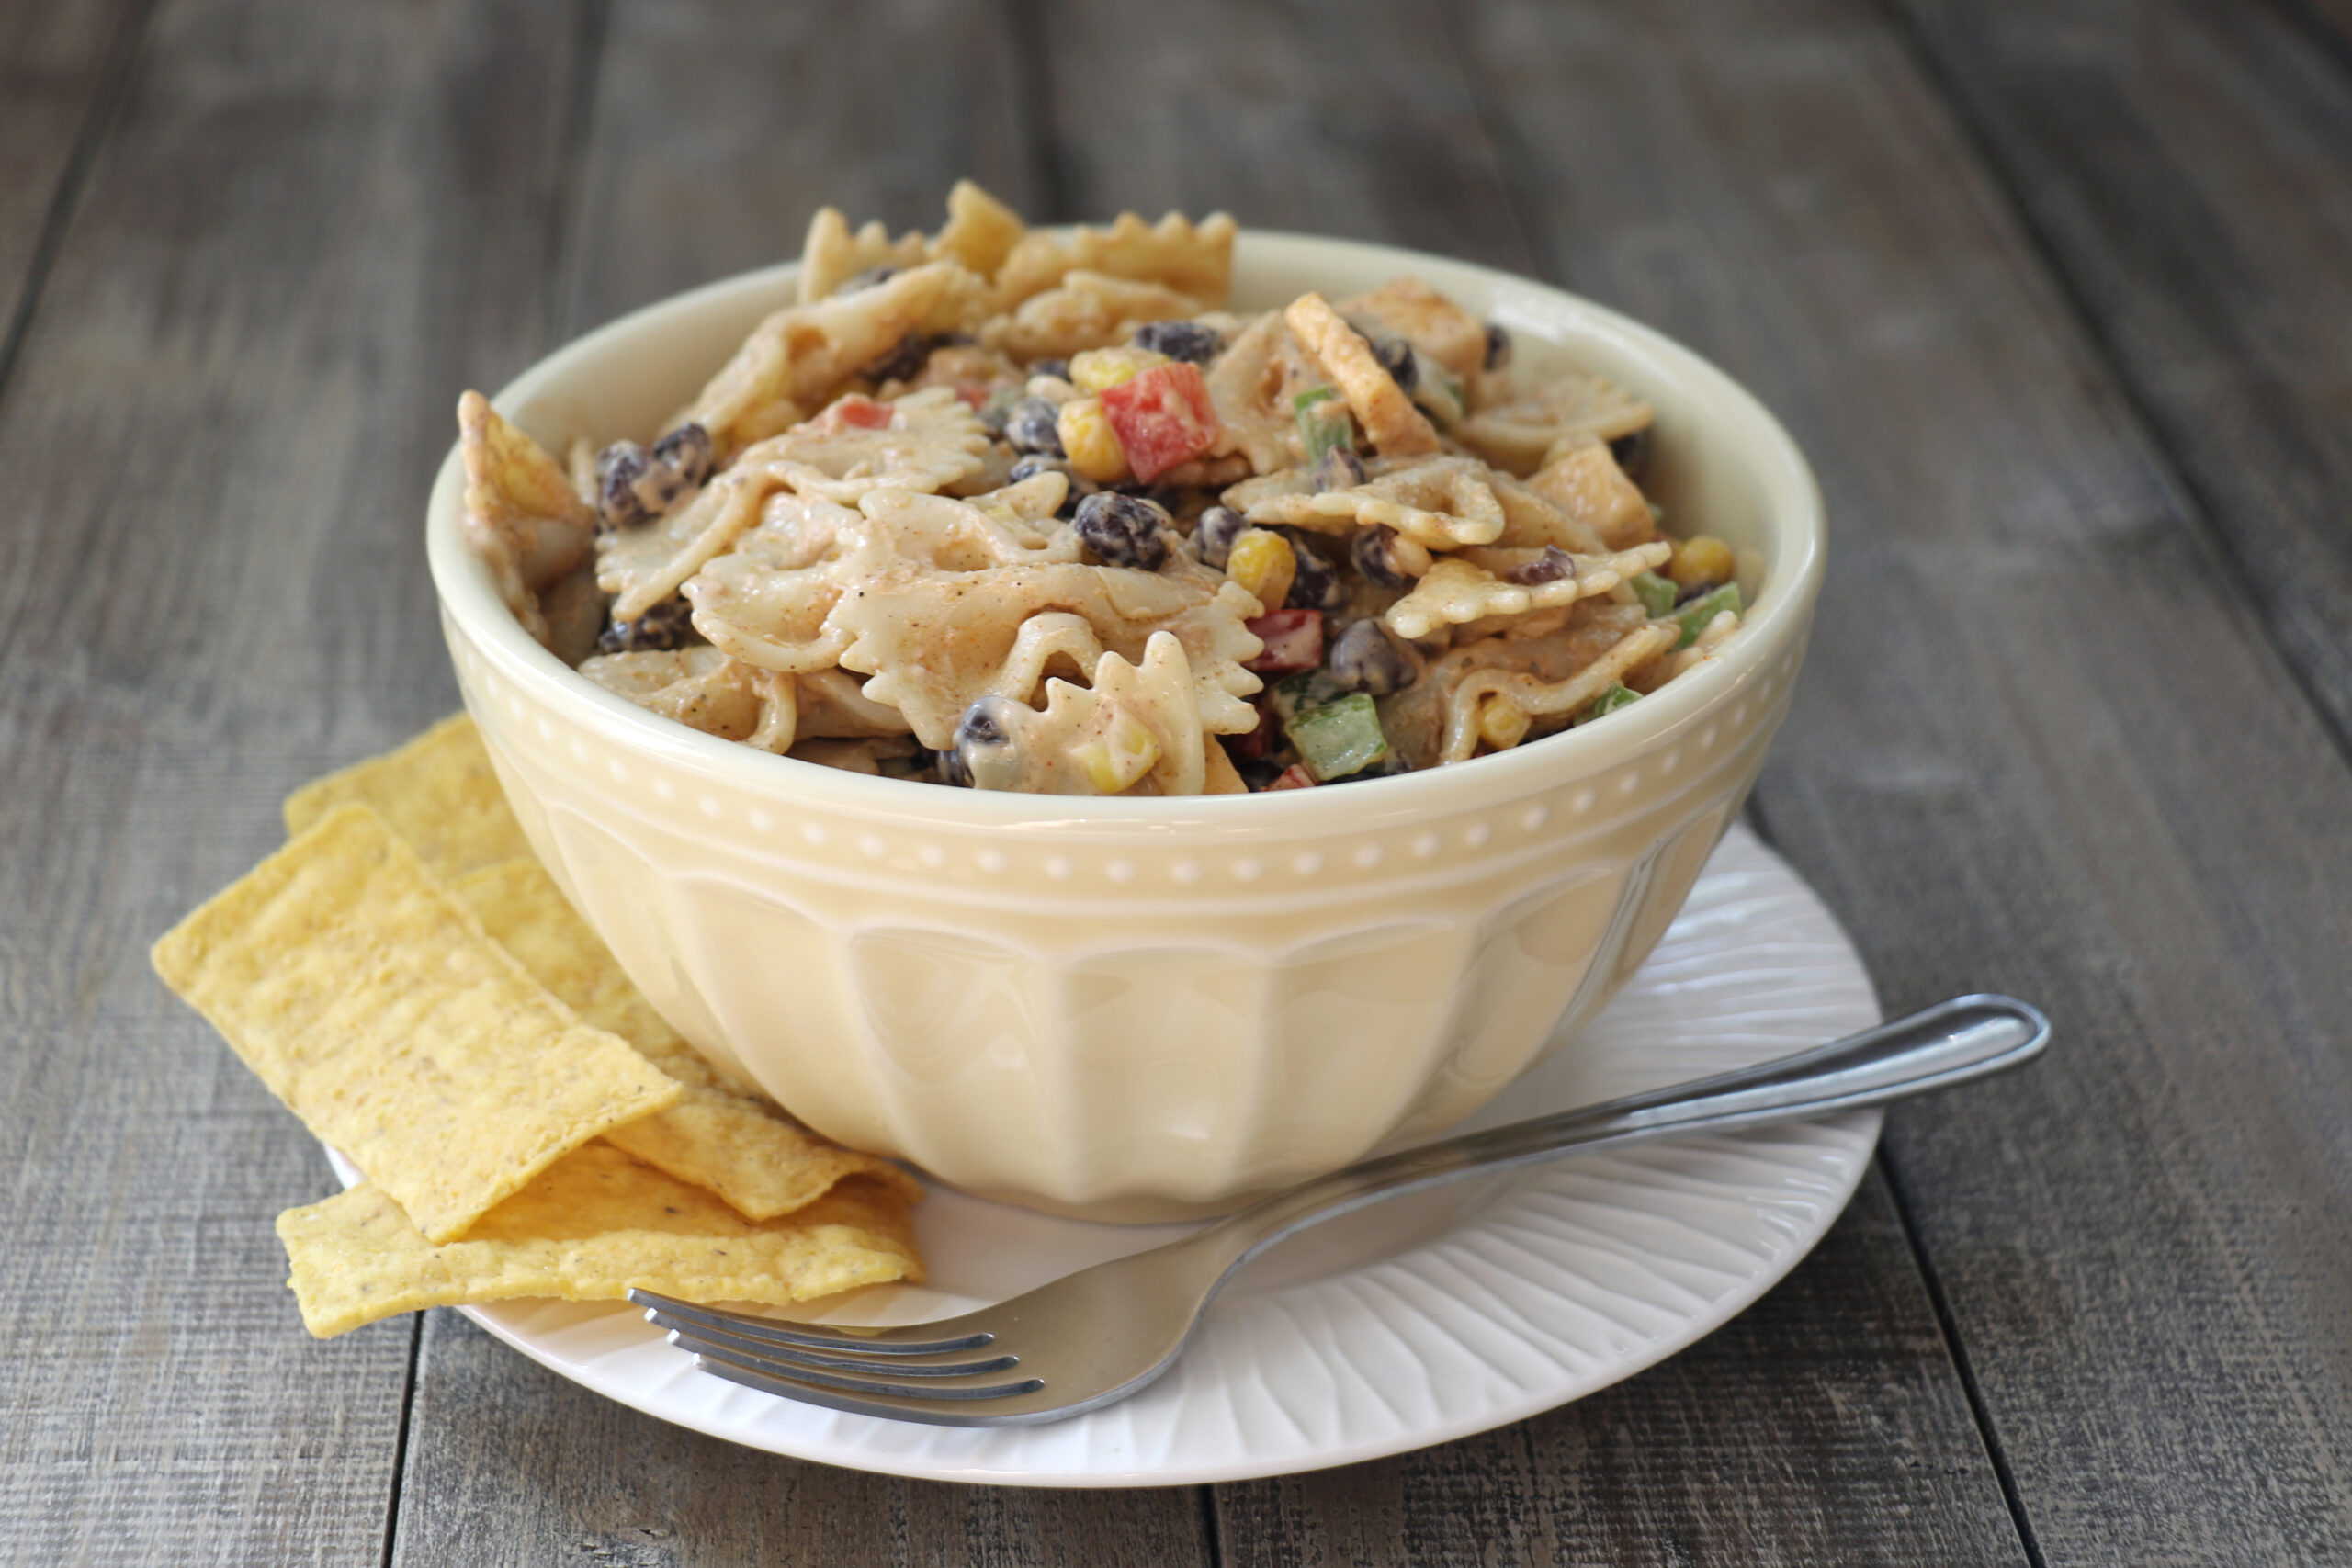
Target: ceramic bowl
(1136, 1008)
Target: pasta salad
(1028, 510)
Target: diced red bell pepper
(857, 411)
(1295, 776)
(1293, 640)
(1162, 417)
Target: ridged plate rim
(1537, 1292)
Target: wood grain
(1356, 120)
(2041, 745)
(2186, 167)
(2046, 740)
(717, 129)
(510, 1463)
(58, 64)
(1318, 116)
(216, 445)
(1725, 1453)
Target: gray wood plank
(2187, 169)
(57, 66)
(2041, 745)
(2334, 15)
(717, 131)
(1721, 1454)
(1325, 118)
(1356, 120)
(549, 1472)
(299, 237)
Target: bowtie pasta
(1008, 509)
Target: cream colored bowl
(1131, 1009)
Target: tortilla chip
(437, 793)
(1380, 405)
(591, 1226)
(722, 1135)
(376, 1007)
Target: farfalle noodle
(898, 533)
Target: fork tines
(806, 1363)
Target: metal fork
(1101, 1334)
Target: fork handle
(1951, 1043)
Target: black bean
(1314, 585)
(686, 451)
(1497, 346)
(1058, 368)
(866, 280)
(667, 626)
(1214, 535)
(1033, 426)
(1395, 356)
(1366, 659)
(998, 409)
(1339, 469)
(1037, 463)
(1180, 340)
(1632, 450)
(984, 749)
(631, 488)
(902, 362)
(1388, 767)
(1258, 772)
(1029, 468)
(618, 468)
(1375, 562)
(1124, 530)
(1553, 565)
(1162, 496)
(948, 767)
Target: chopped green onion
(1300, 693)
(1618, 695)
(1693, 617)
(1324, 422)
(1655, 593)
(1339, 739)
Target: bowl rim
(1791, 498)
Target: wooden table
(2057, 296)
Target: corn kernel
(1091, 443)
(1263, 562)
(1702, 559)
(1096, 368)
(1502, 722)
(1121, 755)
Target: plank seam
(1033, 74)
(399, 1439)
(1493, 135)
(566, 215)
(114, 81)
(1212, 1533)
(2319, 28)
(1949, 1325)
(2198, 507)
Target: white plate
(1416, 1322)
